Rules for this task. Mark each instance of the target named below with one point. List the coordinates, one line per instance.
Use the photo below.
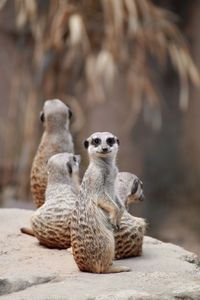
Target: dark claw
(117, 227)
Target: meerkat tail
(117, 269)
(28, 231)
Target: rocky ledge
(30, 271)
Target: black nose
(105, 150)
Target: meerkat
(129, 188)
(51, 222)
(129, 236)
(92, 239)
(55, 139)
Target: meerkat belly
(129, 237)
(92, 242)
(51, 225)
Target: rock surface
(30, 271)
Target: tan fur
(92, 237)
(129, 236)
(129, 188)
(56, 139)
(51, 222)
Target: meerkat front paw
(114, 220)
(119, 215)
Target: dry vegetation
(79, 50)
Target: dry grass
(86, 47)
(102, 39)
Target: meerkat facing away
(92, 238)
(129, 188)
(55, 139)
(51, 222)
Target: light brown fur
(129, 236)
(55, 139)
(92, 237)
(51, 222)
(129, 188)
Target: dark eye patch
(135, 186)
(74, 159)
(42, 118)
(70, 114)
(96, 142)
(110, 141)
(69, 168)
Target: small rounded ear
(118, 142)
(42, 118)
(69, 166)
(86, 144)
(70, 114)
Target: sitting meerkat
(92, 239)
(51, 222)
(129, 188)
(129, 237)
(55, 139)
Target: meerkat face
(64, 165)
(136, 191)
(130, 188)
(102, 144)
(55, 113)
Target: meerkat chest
(109, 181)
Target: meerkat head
(102, 145)
(63, 167)
(130, 187)
(55, 115)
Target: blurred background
(130, 67)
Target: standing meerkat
(92, 238)
(51, 222)
(55, 139)
(129, 188)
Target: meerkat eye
(42, 118)
(69, 167)
(96, 142)
(70, 114)
(134, 186)
(74, 159)
(110, 141)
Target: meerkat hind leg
(117, 269)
